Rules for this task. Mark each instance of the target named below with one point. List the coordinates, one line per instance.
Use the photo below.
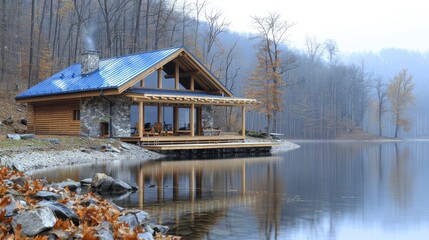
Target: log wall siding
(54, 118)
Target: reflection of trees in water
(401, 178)
(269, 208)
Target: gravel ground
(30, 160)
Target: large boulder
(48, 195)
(96, 179)
(105, 185)
(34, 221)
(61, 211)
(120, 187)
(70, 184)
(13, 136)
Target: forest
(304, 93)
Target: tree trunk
(30, 68)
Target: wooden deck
(163, 140)
(169, 147)
(178, 143)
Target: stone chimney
(89, 62)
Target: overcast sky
(360, 25)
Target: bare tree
(401, 98)
(314, 49)
(332, 49)
(271, 33)
(30, 68)
(381, 95)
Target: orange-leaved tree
(401, 98)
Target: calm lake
(323, 190)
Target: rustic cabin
(153, 98)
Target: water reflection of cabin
(158, 96)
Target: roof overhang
(44, 98)
(187, 99)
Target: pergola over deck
(161, 97)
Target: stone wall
(96, 110)
(207, 116)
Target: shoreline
(27, 159)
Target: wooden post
(243, 121)
(192, 119)
(142, 83)
(199, 121)
(160, 114)
(141, 119)
(192, 82)
(141, 188)
(160, 78)
(176, 119)
(176, 76)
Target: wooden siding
(54, 118)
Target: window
(76, 115)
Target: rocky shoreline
(31, 159)
(38, 210)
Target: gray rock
(143, 217)
(16, 166)
(21, 181)
(48, 195)
(86, 181)
(72, 185)
(106, 225)
(125, 146)
(34, 221)
(8, 121)
(130, 219)
(61, 211)
(105, 184)
(53, 140)
(160, 229)
(134, 186)
(96, 179)
(104, 234)
(58, 234)
(27, 136)
(113, 149)
(145, 236)
(13, 136)
(88, 202)
(120, 187)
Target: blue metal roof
(112, 73)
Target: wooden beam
(176, 75)
(192, 119)
(243, 121)
(141, 119)
(192, 87)
(183, 74)
(159, 77)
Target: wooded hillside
(315, 93)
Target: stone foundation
(96, 110)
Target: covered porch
(160, 117)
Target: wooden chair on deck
(158, 129)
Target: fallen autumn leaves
(26, 215)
